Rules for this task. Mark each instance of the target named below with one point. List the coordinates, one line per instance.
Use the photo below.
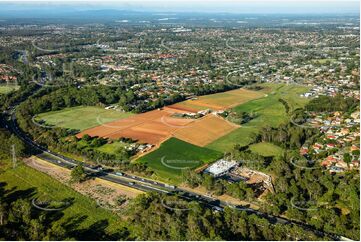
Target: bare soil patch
(100, 190)
(205, 130)
(156, 126)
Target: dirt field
(225, 198)
(156, 126)
(100, 190)
(205, 130)
(151, 127)
(184, 108)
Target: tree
(19, 145)
(20, 212)
(86, 137)
(191, 178)
(78, 174)
(56, 232)
(347, 158)
(3, 213)
(356, 153)
(208, 181)
(36, 230)
(120, 200)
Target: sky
(232, 6)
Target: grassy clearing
(325, 60)
(111, 148)
(174, 155)
(222, 100)
(270, 112)
(82, 117)
(266, 149)
(107, 148)
(230, 98)
(28, 183)
(242, 136)
(8, 88)
(68, 154)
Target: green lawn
(82, 117)
(111, 148)
(270, 112)
(174, 155)
(28, 183)
(325, 60)
(228, 98)
(266, 149)
(242, 136)
(81, 144)
(8, 88)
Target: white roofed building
(220, 167)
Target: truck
(217, 209)
(169, 186)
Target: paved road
(145, 184)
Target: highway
(141, 183)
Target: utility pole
(13, 155)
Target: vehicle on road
(217, 209)
(170, 186)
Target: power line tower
(13, 155)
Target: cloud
(239, 6)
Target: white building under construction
(220, 167)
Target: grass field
(111, 148)
(106, 148)
(83, 214)
(325, 60)
(266, 149)
(8, 88)
(174, 155)
(221, 100)
(270, 112)
(81, 118)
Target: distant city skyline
(235, 6)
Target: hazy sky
(241, 6)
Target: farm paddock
(156, 126)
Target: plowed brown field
(156, 126)
(183, 108)
(205, 130)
